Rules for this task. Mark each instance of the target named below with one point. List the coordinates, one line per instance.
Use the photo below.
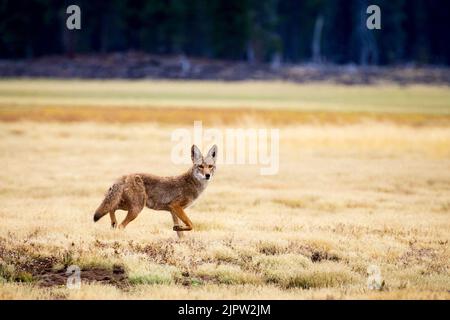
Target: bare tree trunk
(68, 38)
(250, 53)
(317, 39)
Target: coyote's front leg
(179, 212)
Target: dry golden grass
(346, 197)
(215, 116)
(364, 180)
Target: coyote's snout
(134, 191)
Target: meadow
(364, 182)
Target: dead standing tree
(317, 40)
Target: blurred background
(262, 37)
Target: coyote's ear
(212, 153)
(196, 154)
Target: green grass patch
(216, 94)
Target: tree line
(292, 31)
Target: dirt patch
(415, 256)
(19, 265)
(116, 276)
(318, 256)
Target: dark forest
(323, 31)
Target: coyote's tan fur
(134, 191)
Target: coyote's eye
(210, 167)
(201, 166)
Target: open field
(371, 188)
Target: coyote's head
(204, 167)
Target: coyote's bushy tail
(110, 203)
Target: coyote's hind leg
(131, 215)
(112, 215)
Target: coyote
(134, 191)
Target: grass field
(248, 95)
(364, 181)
